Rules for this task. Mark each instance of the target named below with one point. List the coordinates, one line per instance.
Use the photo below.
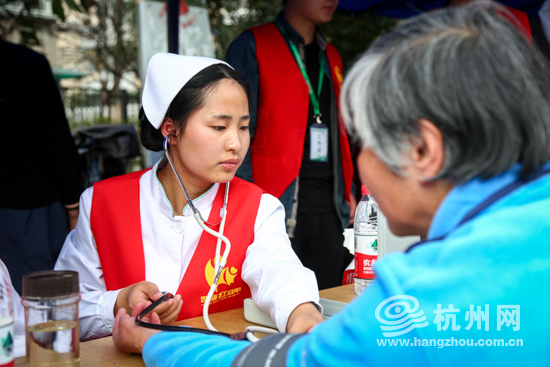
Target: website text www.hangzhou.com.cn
(450, 342)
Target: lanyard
(314, 98)
(487, 202)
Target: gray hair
(472, 74)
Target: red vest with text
(283, 106)
(116, 225)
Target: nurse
(137, 235)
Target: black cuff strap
(269, 351)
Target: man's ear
(167, 127)
(428, 153)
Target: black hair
(189, 99)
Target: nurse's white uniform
(277, 279)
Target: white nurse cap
(166, 75)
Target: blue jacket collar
(465, 197)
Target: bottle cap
(50, 283)
(364, 190)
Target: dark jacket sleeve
(241, 55)
(39, 162)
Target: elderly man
(453, 112)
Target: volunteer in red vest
(137, 234)
(300, 151)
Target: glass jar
(51, 301)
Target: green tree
(228, 18)
(110, 31)
(20, 16)
(111, 27)
(350, 34)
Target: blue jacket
(482, 292)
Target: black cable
(149, 325)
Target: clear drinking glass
(51, 301)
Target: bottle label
(349, 276)
(366, 255)
(6, 344)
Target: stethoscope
(218, 265)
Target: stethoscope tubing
(149, 325)
(218, 265)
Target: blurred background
(98, 50)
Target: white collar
(202, 203)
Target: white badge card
(318, 148)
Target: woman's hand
(128, 336)
(143, 292)
(304, 318)
(168, 311)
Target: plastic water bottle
(6, 319)
(365, 230)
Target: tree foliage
(107, 37)
(228, 18)
(350, 34)
(111, 27)
(21, 16)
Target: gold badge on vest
(338, 74)
(227, 278)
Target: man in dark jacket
(39, 164)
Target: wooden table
(102, 352)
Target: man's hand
(72, 215)
(143, 292)
(128, 336)
(303, 319)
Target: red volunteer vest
(282, 117)
(521, 21)
(116, 224)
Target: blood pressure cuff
(270, 351)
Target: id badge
(318, 148)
